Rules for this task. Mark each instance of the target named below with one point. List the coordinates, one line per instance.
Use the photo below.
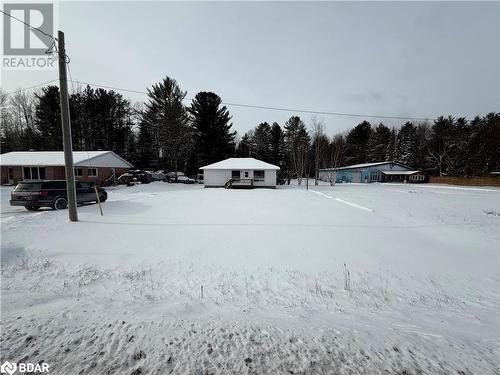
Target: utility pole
(66, 130)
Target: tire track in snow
(343, 201)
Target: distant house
(385, 171)
(240, 173)
(92, 166)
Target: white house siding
(216, 177)
(269, 179)
(219, 177)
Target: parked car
(157, 175)
(143, 177)
(45, 193)
(127, 179)
(185, 180)
(133, 176)
(171, 176)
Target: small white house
(240, 173)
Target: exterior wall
(368, 174)
(55, 173)
(17, 174)
(269, 179)
(103, 173)
(216, 177)
(219, 177)
(413, 178)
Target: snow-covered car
(185, 180)
(133, 176)
(173, 176)
(157, 175)
(127, 179)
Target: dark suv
(36, 194)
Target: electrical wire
(293, 110)
(270, 108)
(31, 87)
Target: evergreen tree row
(164, 133)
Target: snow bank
(185, 279)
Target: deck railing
(239, 182)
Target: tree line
(165, 133)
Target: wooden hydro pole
(66, 130)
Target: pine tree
(246, 146)
(356, 144)
(391, 146)
(48, 119)
(406, 150)
(297, 144)
(211, 121)
(147, 155)
(440, 144)
(422, 138)
(168, 121)
(484, 145)
(459, 141)
(262, 141)
(378, 143)
(277, 147)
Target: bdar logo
(8, 368)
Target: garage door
(356, 176)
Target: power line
(30, 87)
(270, 108)
(274, 108)
(326, 112)
(113, 88)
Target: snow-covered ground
(369, 279)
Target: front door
(10, 174)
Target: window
(235, 174)
(78, 172)
(246, 174)
(92, 172)
(34, 173)
(258, 175)
(27, 173)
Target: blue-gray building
(385, 171)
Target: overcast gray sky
(391, 58)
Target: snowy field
(355, 279)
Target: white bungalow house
(240, 173)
